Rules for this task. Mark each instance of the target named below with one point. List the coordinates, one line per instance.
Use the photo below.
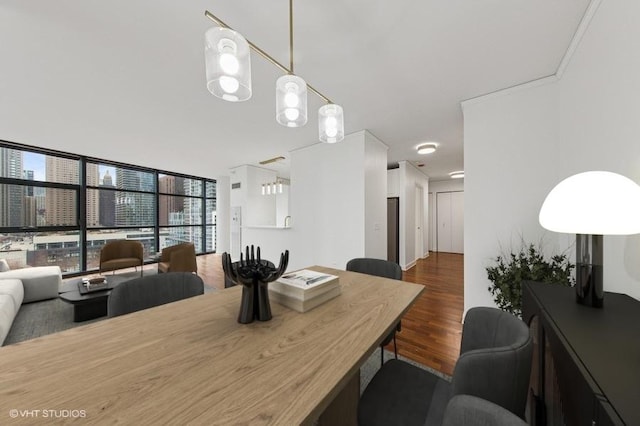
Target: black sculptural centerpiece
(254, 274)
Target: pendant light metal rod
(265, 54)
(291, 35)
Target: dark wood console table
(595, 354)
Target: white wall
(449, 185)
(331, 185)
(520, 145)
(393, 182)
(223, 214)
(257, 209)
(375, 200)
(410, 176)
(282, 205)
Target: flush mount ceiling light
(228, 66)
(427, 148)
(457, 175)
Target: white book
(304, 284)
(304, 305)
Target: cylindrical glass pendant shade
(291, 101)
(331, 123)
(228, 63)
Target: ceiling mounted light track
(228, 66)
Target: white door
(431, 235)
(443, 207)
(450, 211)
(419, 219)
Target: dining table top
(191, 361)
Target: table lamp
(592, 204)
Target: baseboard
(409, 266)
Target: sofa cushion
(13, 288)
(6, 315)
(40, 282)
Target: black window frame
(82, 188)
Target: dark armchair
(178, 258)
(121, 254)
(494, 365)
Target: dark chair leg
(381, 356)
(395, 347)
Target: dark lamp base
(589, 286)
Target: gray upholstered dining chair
(494, 364)
(147, 292)
(380, 268)
(467, 410)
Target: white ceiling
(121, 79)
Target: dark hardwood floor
(432, 328)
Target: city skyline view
(120, 202)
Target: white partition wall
(520, 144)
(411, 178)
(338, 205)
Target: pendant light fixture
(331, 123)
(229, 78)
(291, 90)
(228, 64)
(291, 101)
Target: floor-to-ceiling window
(60, 209)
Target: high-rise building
(193, 214)
(28, 175)
(11, 196)
(134, 208)
(170, 204)
(61, 206)
(107, 202)
(210, 217)
(29, 211)
(93, 196)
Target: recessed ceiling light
(427, 148)
(457, 175)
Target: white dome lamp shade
(291, 101)
(228, 64)
(331, 123)
(592, 204)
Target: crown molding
(564, 63)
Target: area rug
(51, 316)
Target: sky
(37, 163)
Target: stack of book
(89, 285)
(304, 290)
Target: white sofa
(23, 286)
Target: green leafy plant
(527, 265)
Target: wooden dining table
(191, 362)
